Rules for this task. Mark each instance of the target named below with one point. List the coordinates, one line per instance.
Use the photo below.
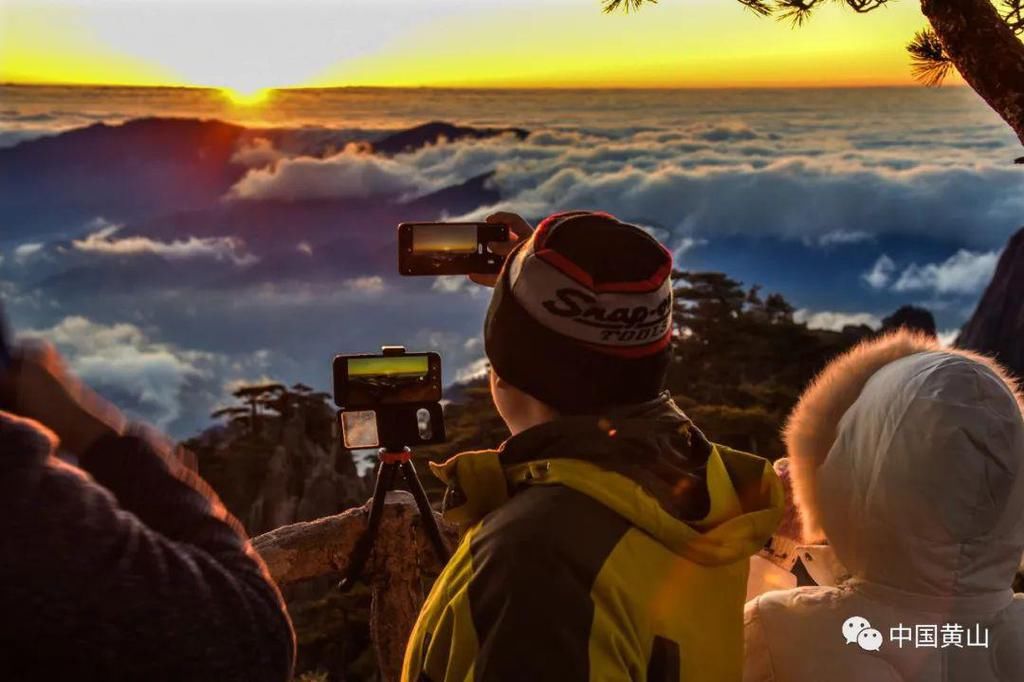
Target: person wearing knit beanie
(581, 316)
(606, 538)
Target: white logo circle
(870, 639)
(853, 627)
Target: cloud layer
(836, 321)
(964, 273)
(352, 173)
(104, 242)
(835, 188)
(121, 362)
(886, 197)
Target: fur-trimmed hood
(909, 459)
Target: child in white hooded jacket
(908, 459)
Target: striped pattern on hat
(581, 316)
(629, 318)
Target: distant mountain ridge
(164, 179)
(431, 133)
(147, 168)
(121, 172)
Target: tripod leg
(385, 480)
(426, 513)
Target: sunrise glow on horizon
(248, 48)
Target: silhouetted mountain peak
(911, 317)
(120, 172)
(997, 326)
(430, 133)
(174, 135)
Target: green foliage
(739, 364)
(740, 361)
(928, 59)
(795, 11)
(471, 423)
(911, 317)
(332, 630)
(469, 428)
(626, 5)
(233, 458)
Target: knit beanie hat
(581, 316)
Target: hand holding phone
(434, 249)
(519, 230)
(475, 249)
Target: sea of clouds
(911, 193)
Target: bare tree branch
(929, 62)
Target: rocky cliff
(997, 325)
(290, 468)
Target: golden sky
(247, 45)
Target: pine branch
(797, 12)
(1013, 15)
(759, 7)
(929, 62)
(864, 6)
(626, 6)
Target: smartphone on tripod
(390, 401)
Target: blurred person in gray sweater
(126, 566)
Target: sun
(246, 98)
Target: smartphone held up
(433, 249)
(393, 400)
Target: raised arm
(134, 571)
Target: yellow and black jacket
(612, 549)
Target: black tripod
(391, 462)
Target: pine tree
(740, 360)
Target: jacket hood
(908, 458)
(708, 503)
